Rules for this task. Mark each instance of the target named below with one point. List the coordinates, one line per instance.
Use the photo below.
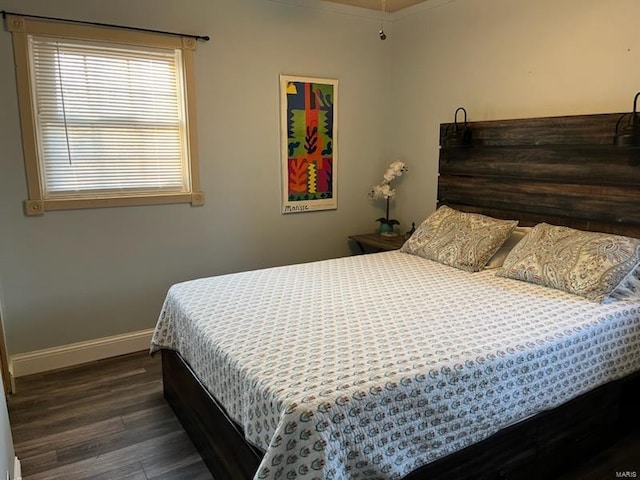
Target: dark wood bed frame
(560, 170)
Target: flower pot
(385, 228)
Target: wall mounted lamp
(628, 135)
(457, 134)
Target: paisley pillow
(628, 289)
(589, 264)
(459, 239)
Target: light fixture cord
(383, 9)
(64, 106)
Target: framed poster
(308, 126)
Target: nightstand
(374, 242)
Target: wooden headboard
(559, 170)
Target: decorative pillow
(498, 258)
(459, 239)
(589, 264)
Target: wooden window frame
(21, 28)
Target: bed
(393, 365)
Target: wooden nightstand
(376, 242)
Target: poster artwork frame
(309, 158)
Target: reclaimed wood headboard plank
(560, 170)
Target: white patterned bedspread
(368, 367)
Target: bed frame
(560, 170)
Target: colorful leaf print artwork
(310, 108)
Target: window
(107, 116)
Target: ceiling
(390, 5)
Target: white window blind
(110, 119)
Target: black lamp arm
(455, 117)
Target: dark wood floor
(108, 420)
(101, 421)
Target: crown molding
(364, 12)
(333, 7)
(420, 7)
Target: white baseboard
(82, 352)
(17, 469)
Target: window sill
(38, 207)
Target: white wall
(504, 59)
(7, 454)
(70, 276)
(79, 275)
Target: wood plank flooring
(101, 421)
(108, 420)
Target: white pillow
(498, 258)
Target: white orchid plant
(384, 190)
